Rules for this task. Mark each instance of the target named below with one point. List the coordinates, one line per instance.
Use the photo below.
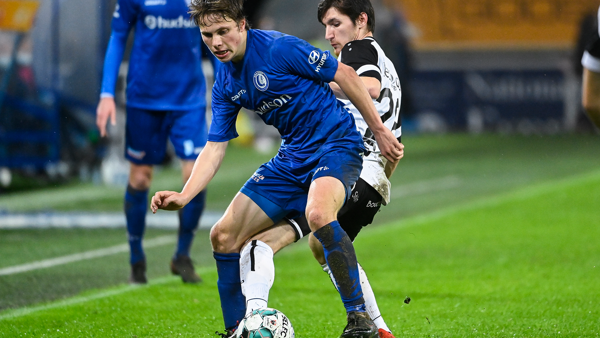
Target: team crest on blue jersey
(261, 82)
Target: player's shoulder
(268, 38)
(366, 45)
(134, 3)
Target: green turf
(483, 164)
(237, 167)
(522, 264)
(476, 257)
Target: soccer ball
(265, 323)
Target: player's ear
(362, 20)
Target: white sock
(368, 295)
(370, 302)
(326, 269)
(257, 273)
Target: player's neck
(363, 34)
(242, 51)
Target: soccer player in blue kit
(166, 98)
(349, 27)
(284, 80)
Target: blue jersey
(165, 66)
(285, 81)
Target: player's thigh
(277, 236)
(188, 132)
(264, 200)
(360, 209)
(333, 178)
(325, 197)
(299, 226)
(242, 219)
(146, 133)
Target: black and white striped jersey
(368, 59)
(591, 55)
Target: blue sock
(136, 203)
(233, 302)
(341, 258)
(189, 217)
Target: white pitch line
(423, 187)
(527, 192)
(46, 263)
(83, 299)
(412, 189)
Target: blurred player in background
(591, 76)
(166, 99)
(349, 27)
(284, 79)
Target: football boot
(182, 266)
(385, 334)
(359, 326)
(138, 273)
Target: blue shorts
(281, 191)
(146, 134)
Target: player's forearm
(112, 61)
(591, 95)
(337, 91)
(389, 168)
(206, 166)
(357, 93)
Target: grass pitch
(507, 250)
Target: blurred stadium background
(507, 66)
(491, 103)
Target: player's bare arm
(591, 96)
(372, 84)
(354, 88)
(390, 166)
(206, 166)
(106, 109)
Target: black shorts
(358, 212)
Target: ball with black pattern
(265, 323)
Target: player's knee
(318, 217)
(140, 178)
(220, 239)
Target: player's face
(339, 29)
(225, 38)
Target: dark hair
(350, 8)
(207, 11)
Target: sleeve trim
(590, 62)
(367, 68)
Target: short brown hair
(350, 8)
(207, 11)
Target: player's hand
(106, 108)
(167, 200)
(389, 146)
(401, 151)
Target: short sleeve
(224, 116)
(591, 55)
(362, 56)
(296, 56)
